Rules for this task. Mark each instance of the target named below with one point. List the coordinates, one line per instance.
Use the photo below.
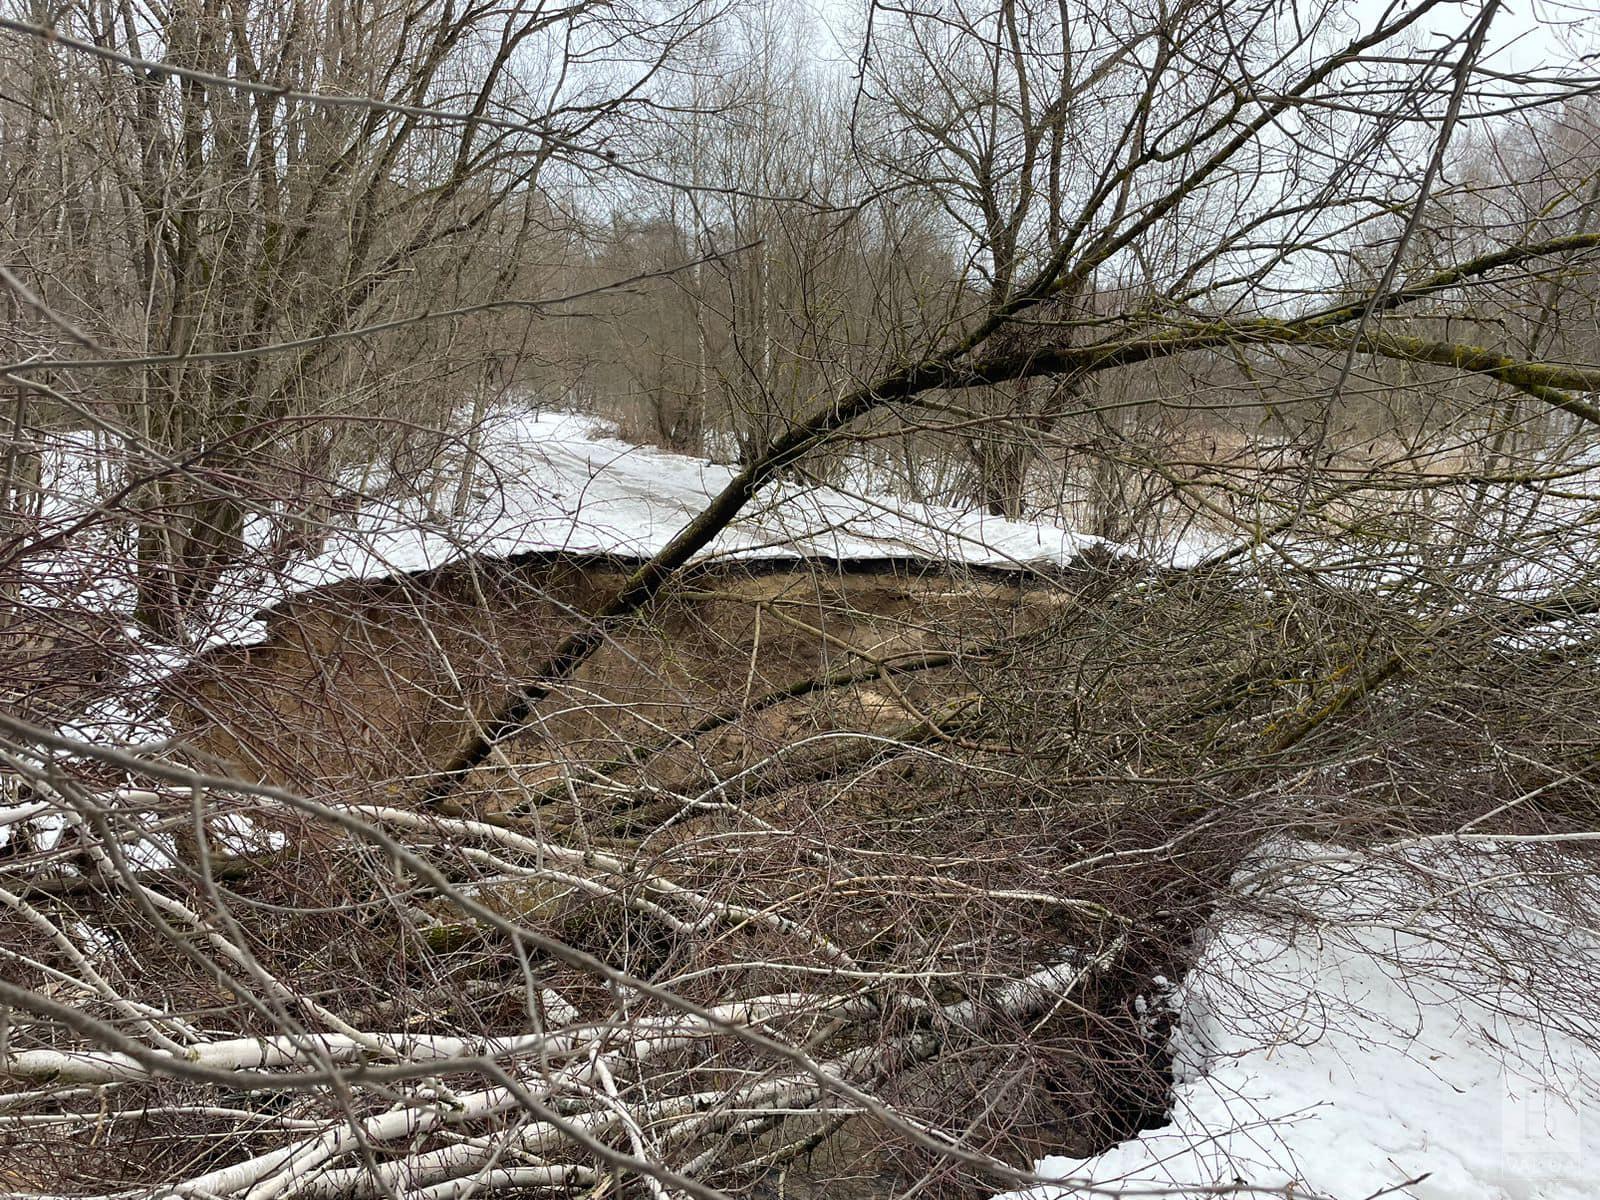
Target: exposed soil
(373, 683)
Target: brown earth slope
(366, 686)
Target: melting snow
(556, 481)
(1365, 1050)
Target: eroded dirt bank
(812, 780)
(365, 683)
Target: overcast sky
(1528, 35)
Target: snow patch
(1352, 1052)
(562, 482)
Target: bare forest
(723, 598)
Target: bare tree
(250, 190)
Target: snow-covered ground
(542, 481)
(559, 481)
(551, 481)
(548, 481)
(1376, 1048)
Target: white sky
(1528, 35)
